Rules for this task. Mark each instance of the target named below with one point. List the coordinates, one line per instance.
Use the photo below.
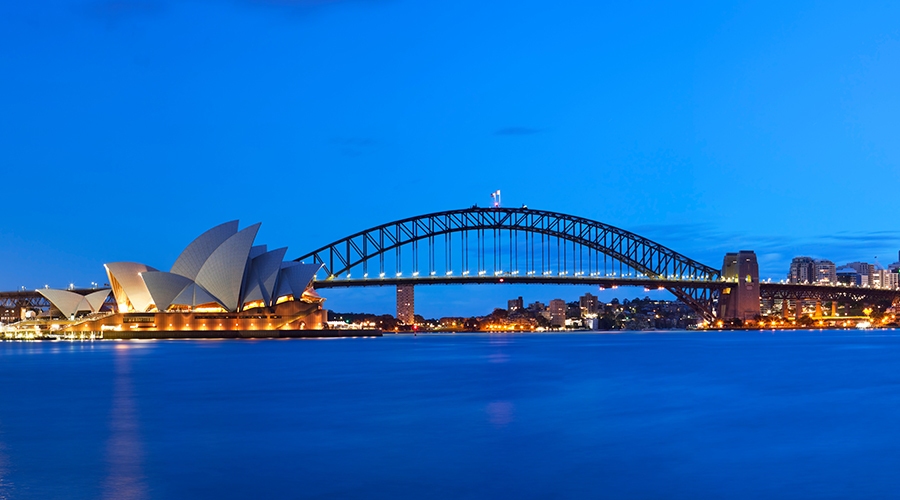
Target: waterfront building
(825, 272)
(11, 314)
(221, 281)
(406, 304)
(862, 268)
(803, 270)
(589, 304)
(557, 312)
(537, 307)
(880, 278)
(849, 276)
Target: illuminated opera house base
(221, 286)
(288, 319)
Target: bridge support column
(741, 301)
(833, 308)
(785, 308)
(798, 309)
(818, 309)
(406, 304)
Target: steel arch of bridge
(636, 252)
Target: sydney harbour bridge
(496, 245)
(522, 245)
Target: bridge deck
(777, 291)
(545, 280)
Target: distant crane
(495, 196)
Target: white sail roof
(127, 276)
(221, 266)
(223, 272)
(67, 302)
(193, 295)
(257, 251)
(196, 254)
(164, 287)
(295, 277)
(261, 278)
(96, 299)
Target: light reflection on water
(125, 477)
(682, 415)
(6, 486)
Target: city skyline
(120, 119)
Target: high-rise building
(557, 312)
(515, 305)
(849, 276)
(803, 270)
(589, 304)
(537, 306)
(879, 277)
(406, 304)
(862, 268)
(825, 272)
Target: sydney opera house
(220, 282)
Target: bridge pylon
(740, 301)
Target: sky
(129, 127)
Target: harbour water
(674, 415)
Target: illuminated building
(515, 304)
(803, 270)
(589, 304)
(863, 269)
(221, 281)
(848, 276)
(557, 312)
(825, 272)
(406, 304)
(536, 307)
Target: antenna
(495, 196)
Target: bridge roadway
(767, 290)
(604, 282)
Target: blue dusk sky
(129, 127)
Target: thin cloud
(871, 236)
(306, 5)
(114, 10)
(353, 146)
(352, 141)
(518, 131)
(708, 245)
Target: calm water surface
(673, 415)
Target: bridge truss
(522, 245)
